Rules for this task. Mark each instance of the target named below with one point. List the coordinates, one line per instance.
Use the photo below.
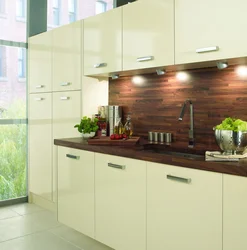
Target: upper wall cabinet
(209, 30)
(148, 34)
(103, 43)
(67, 57)
(40, 59)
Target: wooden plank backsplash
(155, 103)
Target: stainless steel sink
(174, 153)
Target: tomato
(112, 137)
(117, 137)
(124, 136)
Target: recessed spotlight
(242, 71)
(221, 65)
(182, 76)
(114, 76)
(160, 72)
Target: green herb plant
(87, 125)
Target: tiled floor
(30, 227)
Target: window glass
(13, 20)
(100, 7)
(21, 63)
(3, 66)
(2, 6)
(61, 12)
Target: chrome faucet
(191, 130)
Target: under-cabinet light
(221, 65)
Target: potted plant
(87, 126)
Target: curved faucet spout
(191, 130)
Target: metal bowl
(231, 142)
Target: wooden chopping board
(105, 140)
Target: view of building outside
(61, 12)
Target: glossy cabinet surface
(66, 66)
(184, 208)
(234, 212)
(103, 43)
(76, 189)
(40, 144)
(148, 34)
(40, 62)
(206, 25)
(120, 202)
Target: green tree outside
(13, 151)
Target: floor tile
(6, 213)
(38, 241)
(26, 208)
(45, 219)
(17, 226)
(78, 239)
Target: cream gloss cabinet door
(209, 30)
(76, 189)
(120, 202)
(234, 212)
(103, 43)
(148, 34)
(66, 66)
(184, 208)
(40, 145)
(40, 63)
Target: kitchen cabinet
(209, 30)
(66, 110)
(66, 61)
(40, 144)
(103, 43)
(40, 61)
(76, 189)
(184, 208)
(120, 202)
(234, 212)
(148, 34)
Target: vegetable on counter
(232, 124)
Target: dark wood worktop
(141, 152)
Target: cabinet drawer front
(186, 204)
(120, 196)
(67, 57)
(76, 189)
(148, 34)
(103, 45)
(207, 38)
(40, 107)
(40, 62)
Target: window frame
(3, 63)
(22, 63)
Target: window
(72, 11)
(3, 66)
(2, 6)
(56, 12)
(100, 7)
(21, 8)
(21, 63)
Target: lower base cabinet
(234, 212)
(76, 189)
(184, 209)
(120, 202)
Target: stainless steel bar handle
(64, 98)
(73, 156)
(144, 58)
(65, 83)
(112, 165)
(39, 86)
(180, 179)
(207, 49)
(100, 65)
(39, 99)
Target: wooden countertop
(142, 152)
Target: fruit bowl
(231, 142)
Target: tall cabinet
(59, 95)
